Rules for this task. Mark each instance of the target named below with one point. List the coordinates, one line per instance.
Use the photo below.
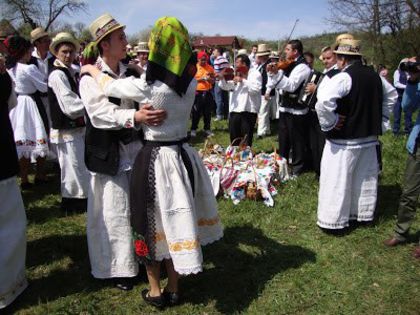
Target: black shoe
(124, 284)
(171, 298)
(156, 301)
(39, 181)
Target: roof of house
(210, 41)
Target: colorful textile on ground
(170, 58)
(239, 174)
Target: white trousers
(348, 185)
(12, 242)
(74, 174)
(109, 234)
(263, 128)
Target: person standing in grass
(111, 145)
(203, 96)
(411, 186)
(68, 123)
(350, 108)
(173, 208)
(12, 213)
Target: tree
(39, 12)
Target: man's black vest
(8, 157)
(102, 153)
(362, 107)
(263, 71)
(290, 99)
(58, 118)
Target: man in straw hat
(112, 144)
(262, 58)
(142, 51)
(350, 111)
(293, 117)
(68, 124)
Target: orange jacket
(203, 72)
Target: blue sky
(251, 19)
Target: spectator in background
(400, 81)
(252, 56)
(383, 71)
(142, 50)
(309, 58)
(203, 97)
(221, 97)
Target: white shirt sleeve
(397, 82)
(254, 82)
(37, 78)
(133, 88)
(70, 103)
(295, 79)
(226, 85)
(389, 98)
(102, 113)
(338, 87)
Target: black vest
(58, 118)
(362, 107)
(290, 99)
(8, 157)
(264, 76)
(102, 153)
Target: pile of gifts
(238, 173)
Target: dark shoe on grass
(171, 298)
(392, 242)
(124, 284)
(156, 301)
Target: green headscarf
(170, 53)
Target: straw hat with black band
(263, 50)
(102, 26)
(63, 37)
(349, 47)
(142, 47)
(38, 33)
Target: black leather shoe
(171, 298)
(124, 284)
(156, 301)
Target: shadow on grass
(388, 201)
(240, 266)
(68, 278)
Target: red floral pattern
(141, 248)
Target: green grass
(270, 261)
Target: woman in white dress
(29, 131)
(173, 208)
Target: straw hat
(341, 37)
(102, 26)
(6, 29)
(348, 47)
(242, 52)
(263, 50)
(274, 55)
(142, 47)
(63, 37)
(38, 33)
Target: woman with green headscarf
(173, 208)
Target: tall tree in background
(39, 12)
(392, 26)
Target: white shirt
(105, 115)
(42, 63)
(28, 79)
(397, 82)
(290, 84)
(70, 104)
(338, 87)
(246, 95)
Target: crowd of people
(118, 127)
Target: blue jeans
(222, 102)
(408, 123)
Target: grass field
(270, 261)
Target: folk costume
(245, 104)
(349, 165)
(12, 212)
(173, 208)
(30, 133)
(68, 129)
(111, 145)
(293, 117)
